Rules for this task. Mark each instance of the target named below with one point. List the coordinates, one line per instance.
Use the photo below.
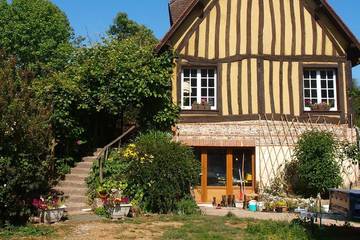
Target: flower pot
(52, 215)
(239, 205)
(281, 209)
(120, 210)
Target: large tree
(37, 32)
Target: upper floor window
(320, 90)
(198, 89)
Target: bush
(316, 164)
(187, 206)
(25, 144)
(155, 172)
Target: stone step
(72, 183)
(87, 165)
(76, 177)
(68, 191)
(76, 170)
(89, 159)
(77, 199)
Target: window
(216, 168)
(198, 86)
(242, 167)
(320, 90)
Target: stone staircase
(74, 186)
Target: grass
(12, 232)
(169, 227)
(221, 228)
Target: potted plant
(51, 208)
(203, 106)
(118, 206)
(320, 106)
(281, 206)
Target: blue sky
(91, 18)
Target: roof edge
(176, 25)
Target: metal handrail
(104, 153)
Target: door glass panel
(242, 167)
(216, 167)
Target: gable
(177, 8)
(225, 28)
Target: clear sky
(91, 18)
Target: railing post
(100, 169)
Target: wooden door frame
(229, 187)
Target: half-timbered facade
(250, 77)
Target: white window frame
(318, 87)
(198, 87)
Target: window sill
(314, 112)
(202, 112)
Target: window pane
(307, 93)
(332, 102)
(211, 92)
(211, 82)
(306, 84)
(306, 74)
(313, 84)
(323, 93)
(193, 72)
(323, 74)
(330, 74)
(193, 82)
(186, 101)
(313, 74)
(242, 167)
(186, 73)
(331, 84)
(323, 84)
(203, 82)
(313, 93)
(193, 100)
(211, 72)
(204, 92)
(212, 102)
(193, 92)
(216, 167)
(203, 73)
(313, 101)
(331, 93)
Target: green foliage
(102, 212)
(10, 232)
(37, 32)
(155, 172)
(316, 164)
(123, 28)
(187, 206)
(25, 144)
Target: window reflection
(216, 167)
(242, 167)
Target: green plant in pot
(281, 206)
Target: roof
(176, 8)
(180, 9)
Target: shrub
(187, 206)
(316, 164)
(155, 172)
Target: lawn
(179, 227)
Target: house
(250, 77)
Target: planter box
(52, 215)
(281, 209)
(120, 211)
(201, 107)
